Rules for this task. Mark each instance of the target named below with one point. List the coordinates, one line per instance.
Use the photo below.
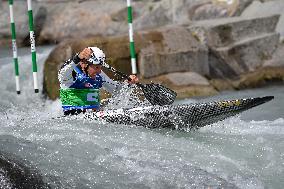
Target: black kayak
(190, 116)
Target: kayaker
(80, 79)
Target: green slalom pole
(131, 38)
(33, 48)
(14, 47)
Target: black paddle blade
(158, 94)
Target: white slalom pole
(14, 47)
(33, 48)
(131, 38)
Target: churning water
(240, 152)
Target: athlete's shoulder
(67, 62)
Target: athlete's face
(93, 70)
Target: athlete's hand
(134, 79)
(85, 54)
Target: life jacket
(84, 93)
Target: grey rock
(245, 56)
(78, 20)
(237, 45)
(277, 59)
(224, 31)
(180, 52)
(209, 11)
(187, 78)
(57, 20)
(167, 12)
(259, 9)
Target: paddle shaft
(123, 75)
(156, 94)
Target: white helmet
(97, 57)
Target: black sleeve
(75, 59)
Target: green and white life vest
(80, 98)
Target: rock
(77, 20)
(225, 31)
(169, 12)
(221, 51)
(184, 84)
(60, 20)
(259, 9)
(193, 91)
(155, 18)
(248, 55)
(57, 20)
(222, 84)
(176, 50)
(237, 45)
(187, 78)
(235, 7)
(217, 9)
(260, 77)
(277, 59)
(209, 11)
(166, 12)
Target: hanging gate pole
(14, 47)
(33, 48)
(131, 38)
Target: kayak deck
(191, 116)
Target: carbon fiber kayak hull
(191, 116)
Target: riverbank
(193, 60)
(198, 48)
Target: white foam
(234, 152)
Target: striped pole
(14, 47)
(131, 38)
(32, 41)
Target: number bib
(80, 97)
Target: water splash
(70, 153)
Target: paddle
(156, 94)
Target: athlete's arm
(65, 74)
